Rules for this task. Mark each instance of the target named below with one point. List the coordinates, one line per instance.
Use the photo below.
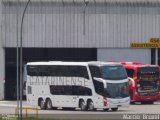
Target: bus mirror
(132, 81)
(100, 80)
(129, 78)
(97, 79)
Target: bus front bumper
(139, 98)
(116, 103)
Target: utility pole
(17, 60)
(21, 60)
(86, 2)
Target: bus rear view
(148, 83)
(144, 83)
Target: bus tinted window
(130, 72)
(99, 87)
(70, 90)
(121, 90)
(59, 71)
(32, 70)
(113, 72)
(43, 71)
(80, 90)
(95, 71)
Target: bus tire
(42, 104)
(82, 105)
(90, 105)
(114, 109)
(49, 104)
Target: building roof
(97, 1)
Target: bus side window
(95, 71)
(84, 72)
(81, 90)
(54, 71)
(43, 71)
(78, 71)
(130, 72)
(32, 70)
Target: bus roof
(136, 65)
(97, 63)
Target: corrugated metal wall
(63, 24)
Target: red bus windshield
(148, 80)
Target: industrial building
(75, 30)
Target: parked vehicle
(144, 82)
(84, 85)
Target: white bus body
(77, 85)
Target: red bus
(144, 82)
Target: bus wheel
(49, 104)
(114, 109)
(90, 105)
(42, 104)
(82, 105)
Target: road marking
(8, 105)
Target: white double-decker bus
(84, 85)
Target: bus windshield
(117, 90)
(113, 72)
(148, 80)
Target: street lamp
(17, 62)
(21, 59)
(86, 2)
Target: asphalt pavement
(8, 107)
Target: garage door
(41, 54)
